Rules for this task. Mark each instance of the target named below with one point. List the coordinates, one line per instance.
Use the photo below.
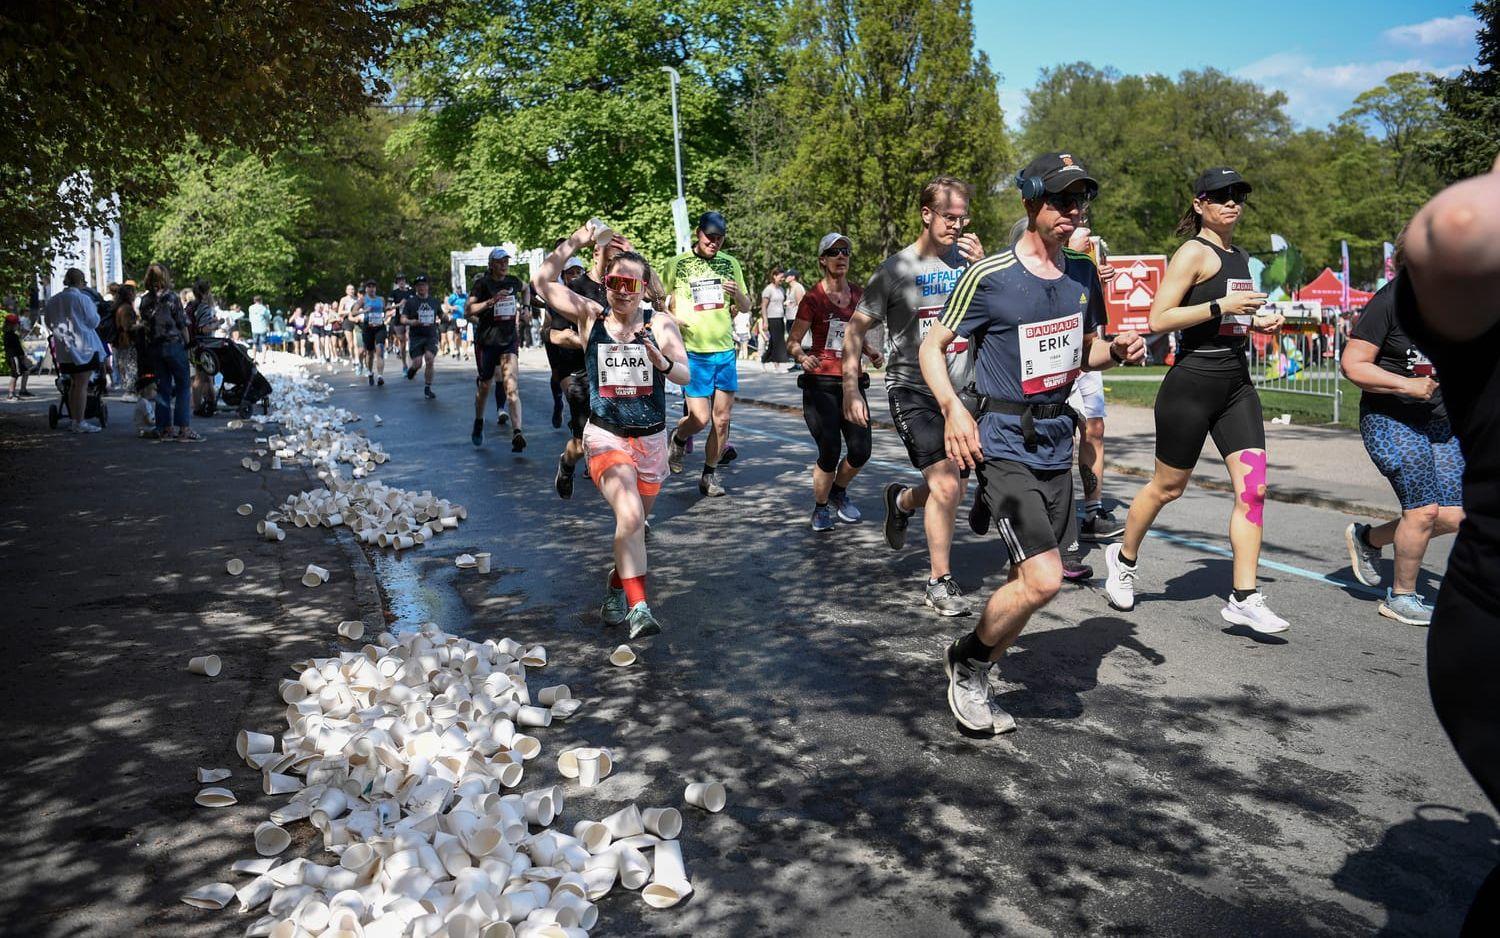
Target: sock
(1242, 595)
(635, 589)
(614, 579)
(709, 470)
(1364, 536)
(1093, 505)
(1124, 560)
(837, 492)
(478, 425)
(906, 493)
(821, 504)
(972, 648)
(932, 582)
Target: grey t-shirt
(906, 295)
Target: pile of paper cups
(379, 514)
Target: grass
(1304, 408)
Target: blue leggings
(1422, 463)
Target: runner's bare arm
(856, 411)
(1357, 361)
(1100, 353)
(546, 280)
(1190, 265)
(794, 340)
(1453, 258)
(668, 340)
(960, 433)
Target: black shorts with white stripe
(1029, 507)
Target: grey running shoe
(709, 485)
(1000, 720)
(614, 611)
(1406, 608)
(641, 621)
(822, 518)
(1365, 561)
(1119, 580)
(969, 691)
(844, 508)
(896, 520)
(947, 598)
(676, 452)
(1101, 525)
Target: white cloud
(1316, 92)
(1442, 31)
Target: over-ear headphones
(1032, 187)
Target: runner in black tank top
(1209, 296)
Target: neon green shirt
(700, 304)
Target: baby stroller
(243, 387)
(93, 407)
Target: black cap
(420, 278)
(712, 223)
(1058, 171)
(400, 276)
(1219, 177)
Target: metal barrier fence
(1304, 359)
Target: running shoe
(427, 392)
(1119, 580)
(380, 381)
(1100, 525)
(517, 442)
(709, 485)
(371, 377)
(614, 611)
(729, 455)
(477, 437)
(189, 435)
(1000, 720)
(501, 418)
(844, 508)
(25, 393)
(979, 515)
(969, 691)
(1365, 561)
(564, 480)
(1254, 613)
(1075, 570)
(412, 372)
(1406, 608)
(822, 518)
(676, 451)
(947, 598)
(641, 621)
(896, 520)
(84, 426)
(556, 415)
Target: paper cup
(255, 465)
(464, 561)
(216, 798)
(277, 783)
(206, 665)
(565, 708)
(275, 462)
(245, 463)
(548, 696)
(533, 716)
(253, 867)
(352, 629)
(209, 776)
(669, 884)
(622, 657)
(538, 807)
(234, 566)
(625, 822)
(593, 835)
(246, 509)
(710, 796)
(378, 421)
(634, 868)
(213, 896)
(248, 742)
(590, 766)
(665, 823)
(317, 571)
(535, 657)
(567, 762)
(270, 839)
(482, 562)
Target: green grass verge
(1303, 408)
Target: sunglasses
(1068, 201)
(836, 252)
(1235, 194)
(623, 284)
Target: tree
(108, 92)
(1405, 108)
(1469, 137)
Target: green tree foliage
(1469, 137)
(878, 97)
(113, 90)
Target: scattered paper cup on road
(255, 465)
(378, 421)
(209, 776)
(216, 798)
(464, 561)
(665, 823)
(482, 561)
(352, 629)
(669, 883)
(595, 836)
(245, 463)
(249, 742)
(567, 762)
(535, 657)
(234, 566)
(710, 796)
(270, 839)
(213, 896)
(548, 696)
(315, 576)
(275, 462)
(622, 657)
(590, 766)
(246, 509)
(206, 665)
(277, 783)
(625, 822)
(533, 716)
(565, 708)
(634, 868)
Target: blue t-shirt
(456, 301)
(1028, 337)
(374, 312)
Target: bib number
(1420, 365)
(708, 293)
(928, 315)
(506, 308)
(374, 316)
(1051, 353)
(624, 371)
(834, 341)
(1236, 325)
(426, 316)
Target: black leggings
(1202, 396)
(823, 409)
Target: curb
(1329, 502)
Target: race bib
(928, 315)
(708, 293)
(834, 342)
(624, 370)
(506, 308)
(1236, 325)
(1051, 353)
(374, 315)
(1419, 365)
(426, 315)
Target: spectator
(795, 291)
(166, 328)
(16, 361)
(73, 318)
(127, 351)
(773, 315)
(260, 324)
(203, 317)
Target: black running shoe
(517, 442)
(556, 415)
(372, 380)
(564, 480)
(729, 455)
(412, 372)
(895, 519)
(477, 437)
(427, 392)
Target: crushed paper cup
(482, 562)
(548, 696)
(246, 509)
(533, 716)
(236, 424)
(315, 576)
(567, 763)
(214, 896)
(277, 783)
(710, 796)
(565, 708)
(249, 741)
(665, 823)
(622, 656)
(464, 561)
(625, 822)
(633, 866)
(352, 629)
(270, 839)
(593, 835)
(255, 867)
(669, 883)
(209, 776)
(206, 665)
(215, 798)
(535, 657)
(234, 566)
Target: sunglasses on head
(623, 284)
(1068, 201)
(1235, 194)
(836, 252)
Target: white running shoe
(1119, 581)
(1255, 613)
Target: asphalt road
(1170, 775)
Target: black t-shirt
(497, 324)
(427, 311)
(1398, 355)
(13, 346)
(1471, 392)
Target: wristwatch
(1213, 307)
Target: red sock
(635, 589)
(614, 579)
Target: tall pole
(676, 132)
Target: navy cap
(421, 278)
(712, 223)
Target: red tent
(1327, 289)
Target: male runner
(701, 284)
(906, 294)
(371, 314)
(495, 301)
(1034, 314)
(397, 301)
(420, 313)
(565, 357)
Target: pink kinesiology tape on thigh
(1254, 495)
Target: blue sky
(1321, 53)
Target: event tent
(1327, 289)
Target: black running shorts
(1030, 507)
(1207, 395)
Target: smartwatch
(1213, 307)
